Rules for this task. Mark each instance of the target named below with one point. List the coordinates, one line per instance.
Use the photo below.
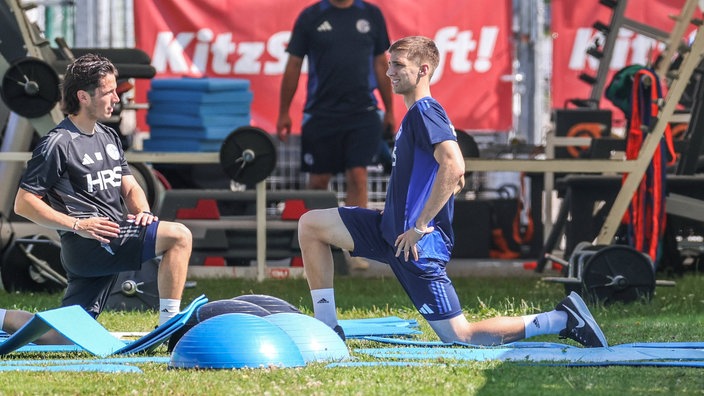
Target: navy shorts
(425, 281)
(335, 144)
(92, 268)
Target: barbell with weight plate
(30, 87)
(618, 273)
(608, 274)
(248, 155)
(33, 264)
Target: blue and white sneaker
(581, 325)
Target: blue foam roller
(235, 340)
(316, 340)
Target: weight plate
(248, 155)
(136, 290)
(18, 271)
(147, 180)
(30, 87)
(579, 254)
(618, 273)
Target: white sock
(2, 318)
(324, 306)
(545, 323)
(168, 308)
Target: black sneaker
(339, 331)
(581, 325)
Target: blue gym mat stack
(195, 114)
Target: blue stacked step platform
(195, 114)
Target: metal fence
(288, 176)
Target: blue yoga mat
(114, 360)
(32, 348)
(654, 363)
(75, 324)
(100, 368)
(158, 336)
(685, 344)
(380, 363)
(385, 320)
(658, 363)
(389, 326)
(433, 344)
(531, 344)
(565, 353)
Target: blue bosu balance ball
(316, 340)
(270, 303)
(235, 340)
(220, 307)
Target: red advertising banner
(573, 34)
(247, 39)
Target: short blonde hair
(420, 49)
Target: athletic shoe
(581, 325)
(340, 332)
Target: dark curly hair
(84, 74)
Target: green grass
(674, 314)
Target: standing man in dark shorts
(78, 182)
(345, 42)
(413, 234)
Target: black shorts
(92, 267)
(335, 144)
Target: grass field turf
(674, 314)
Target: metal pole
(261, 230)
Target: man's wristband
(75, 225)
(417, 231)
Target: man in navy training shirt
(345, 42)
(78, 182)
(413, 234)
